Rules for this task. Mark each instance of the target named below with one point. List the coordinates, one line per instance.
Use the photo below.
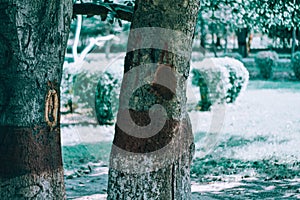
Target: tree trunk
(153, 144)
(294, 40)
(226, 43)
(76, 39)
(213, 45)
(242, 41)
(33, 37)
(107, 47)
(202, 33)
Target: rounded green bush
(106, 98)
(296, 64)
(220, 80)
(266, 61)
(94, 93)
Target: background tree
(242, 16)
(157, 166)
(284, 15)
(228, 16)
(32, 48)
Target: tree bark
(33, 37)
(153, 144)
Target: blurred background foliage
(242, 29)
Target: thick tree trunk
(33, 37)
(153, 145)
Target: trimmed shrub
(66, 89)
(266, 61)
(296, 64)
(84, 87)
(106, 99)
(91, 91)
(212, 81)
(238, 78)
(220, 80)
(236, 56)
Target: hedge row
(267, 65)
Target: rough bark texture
(33, 37)
(145, 165)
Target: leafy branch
(123, 12)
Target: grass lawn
(256, 154)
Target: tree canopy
(261, 14)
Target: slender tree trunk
(242, 41)
(226, 39)
(202, 33)
(33, 37)
(213, 45)
(226, 43)
(77, 38)
(294, 40)
(107, 47)
(153, 145)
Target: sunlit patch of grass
(266, 169)
(76, 155)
